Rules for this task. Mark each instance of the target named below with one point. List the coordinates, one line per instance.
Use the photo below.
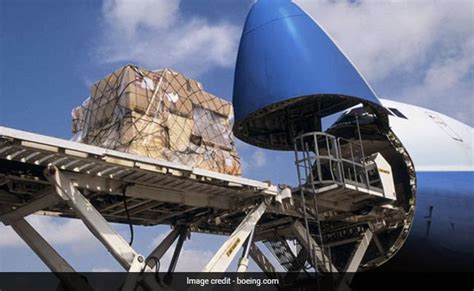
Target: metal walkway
(153, 187)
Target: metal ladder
(304, 167)
(281, 250)
(321, 166)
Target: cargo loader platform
(149, 184)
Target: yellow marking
(384, 171)
(232, 247)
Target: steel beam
(161, 249)
(49, 256)
(173, 214)
(229, 249)
(177, 251)
(378, 244)
(46, 200)
(174, 260)
(359, 252)
(262, 262)
(313, 248)
(190, 198)
(36, 242)
(110, 238)
(355, 260)
(156, 193)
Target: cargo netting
(159, 114)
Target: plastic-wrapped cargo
(159, 114)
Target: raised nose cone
(288, 75)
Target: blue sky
(419, 52)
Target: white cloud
(416, 51)
(191, 260)
(153, 33)
(398, 45)
(259, 159)
(448, 80)
(251, 159)
(128, 16)
(70, 233)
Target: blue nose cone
(289, 74)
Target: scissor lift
(55, 177)
(51, 176)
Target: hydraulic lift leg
(149, 282)
(161, 249)
(96, 223)
(227, 252)
(174, 259)
(244, 261)
(49, 256)
(137, 265)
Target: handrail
(322, 152)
